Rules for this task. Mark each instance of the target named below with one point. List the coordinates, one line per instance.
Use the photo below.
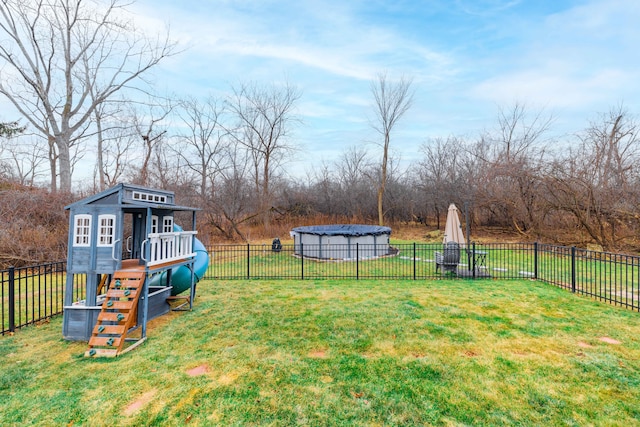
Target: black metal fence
(605, 276)
(360, 261)
(33, 294)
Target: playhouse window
(167, 224)
(154, 223)
(82, 230)
(148, 197)
(106, 230)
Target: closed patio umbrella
(453, 229)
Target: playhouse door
(138, 236)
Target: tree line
(579, 191)
(75, 72)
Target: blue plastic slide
(181, 276)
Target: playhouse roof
(118, 195)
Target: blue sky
(573, 58)
(467, 58)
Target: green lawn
(448, 352)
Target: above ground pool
(341, 241)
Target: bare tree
(149, 127)
(168, 170)
(512, 158)
(203, 142)
(56, 53)
(597, 182)
(520, 133)
(113, 133)
(442, 176)
(391, 102)
(22, 154)
(116, 145)
(27, 158)
(353, 175)
(233, 197)
(266, 117)
(324, 191)
(398, 198)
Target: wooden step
(122, 293)
(101, 352)
(123, 306)
(131, 264)
(106, 316)
(108, 330)
(104, 341)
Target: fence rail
(32, 294)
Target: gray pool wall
(341, 242)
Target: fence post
(473, 260)
(357, 261)
(414, 260)
(573, 268)
(535, 260)
(12, 300)
(301, 260)
(248, 261)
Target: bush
(34, 226)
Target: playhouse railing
(168, 247)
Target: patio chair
(449, 258)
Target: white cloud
(580, 60)
(330, 41)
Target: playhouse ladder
(118, 315)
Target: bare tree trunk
(53, 161)
(266, 199)
(383, 179)
(100, 159)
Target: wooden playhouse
(126, 261)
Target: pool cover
(343, 230)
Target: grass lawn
(448, 352)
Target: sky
(573, 59)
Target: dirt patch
(609, 340)
(198, 370)
(584, 345)
(318, 354)
(139, 403)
